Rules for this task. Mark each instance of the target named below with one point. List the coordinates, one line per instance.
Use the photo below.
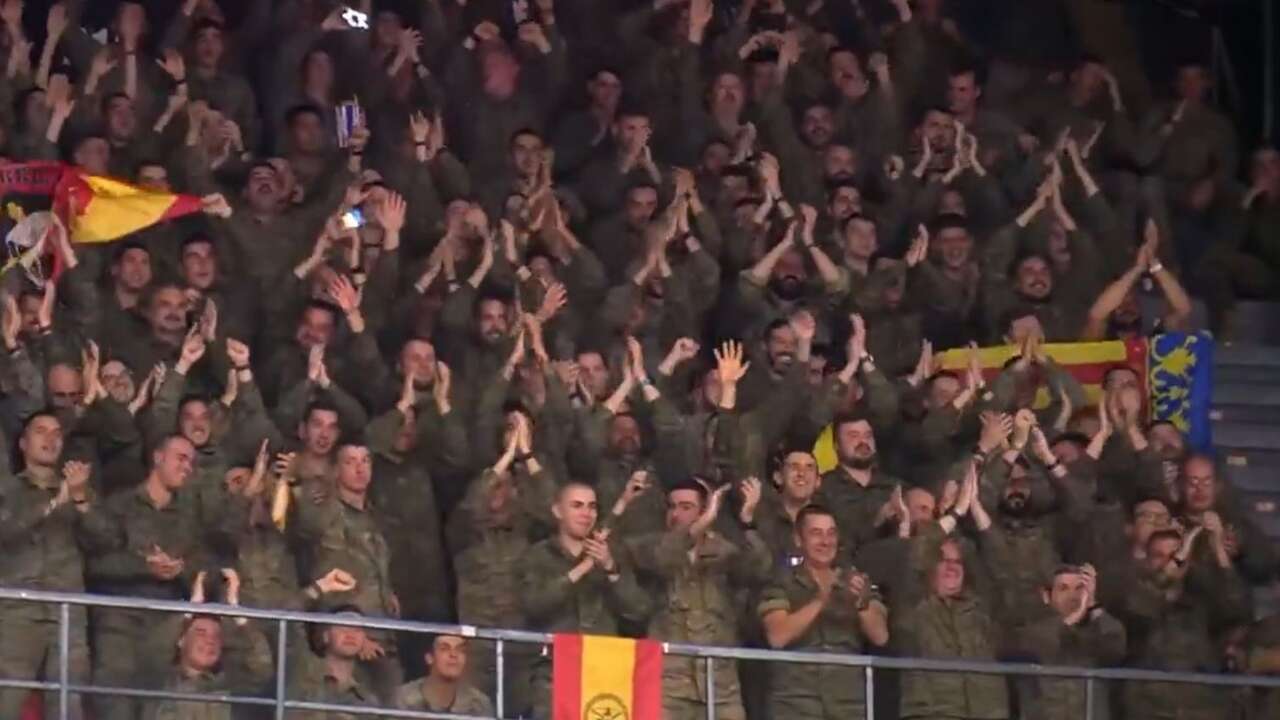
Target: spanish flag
(101, 209)
(606, 678)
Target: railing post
(64, 660)
(282, 667)
(1088, 698)
(711, 689)
(499, 692)
(870, 692)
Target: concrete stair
(1246, 424)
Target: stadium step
(1251, 436)
(1236, 393)
(1235, 355)
(1260, 414)
(1261, 478)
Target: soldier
(819, 606)
(206, 645)
(340, 530)
(404, 493)
(445, 688)
(505, 510)
(572, 583)
(857, 491)
(951, 622)
(797, 481)
(701, 571)
(334, 679)
(1176, 607)
(162, 544)
(1078, 633)
(44, 521)
(1204, 504)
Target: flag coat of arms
(606, 678)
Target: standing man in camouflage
(701, 572)
(818, 606)
(45, 518)
(161, 545)
(574, 584)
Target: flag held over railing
(606, 678)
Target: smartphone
(355, 19)
(353, 219)
(349, 116)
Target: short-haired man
(48, 513)
(339, 526)
(445, 688)
(1079, 633)
(573, 583)
(336, 678)
(1177, 607)
(857, 491)
(202, 665)
(701, 572)
(818, 605)
(163, 543)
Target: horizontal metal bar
(224, 699)
(730, 653)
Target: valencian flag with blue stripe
(605, 678)
(1180, 374)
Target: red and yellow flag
(606, 678)
(101, 209)
(1087, 362)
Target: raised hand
(193, 347)
(919, 250)
(598, 550)
(232, 580)
(686, 349)
(344, 294)
(75, 480)
(533, 34)
(924, 366)
(12, 323)
(91, 358)
(804, 326)
(555, 298)
(317, 373)
(1023, 422)
(441, 387)
(335, 581)
(173, 65)
(391, 213)
(730, 367)
(996, 428)
(752, 490)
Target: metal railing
(64, 687)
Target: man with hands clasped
(819, 606)
(46, 517)
(573, 583)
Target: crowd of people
(528, 315)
